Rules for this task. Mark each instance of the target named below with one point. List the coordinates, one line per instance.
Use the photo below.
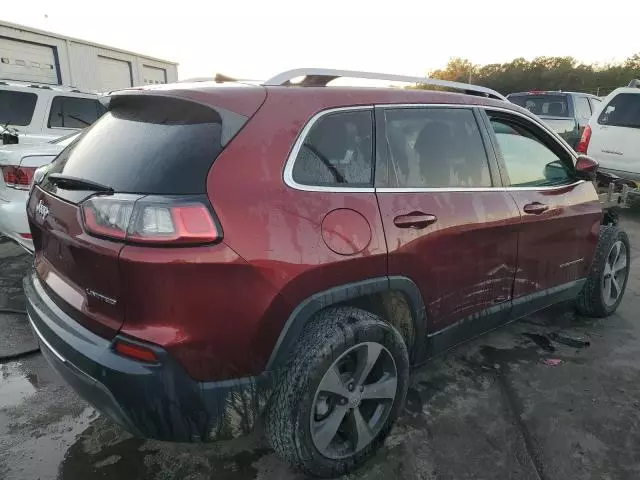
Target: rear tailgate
(151, 146)
(79, 272)
(565, 127)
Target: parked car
(18, 164)
(613, 133)
(34, 113)
(309, 246)
(567, 113)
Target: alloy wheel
(614, 274)
(353, 400)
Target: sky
(258, 39)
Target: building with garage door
(35, 56)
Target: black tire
(591, 300)
(324, 341)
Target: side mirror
(586, 167)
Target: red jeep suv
(208, 256)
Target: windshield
(543, 104)
(622, 111)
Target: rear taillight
(583, 146)
(18, 177)
(150, 220)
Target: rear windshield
(16, 108)
(622, 111)
(151, 144)
(543, 104)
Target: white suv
(40, 113)
(612, 136)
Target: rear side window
(151, 144)
(73, 112)
(16, 108)
(550, 105)
(582, 107)
(337, 151)
(622, 111)
(435, 148)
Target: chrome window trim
(288, 169)
(472, 189)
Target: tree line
(543, 73)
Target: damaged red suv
(211, 255)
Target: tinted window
(16, 108)
(528, 161)
(622, 111)
(595, 103)
(71, 112)
(150, 145)
(337, 151)
(582, 107)
(434, 148)
(551, 105)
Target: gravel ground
(491, 409)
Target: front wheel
(607, 281)
(337, 399)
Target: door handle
(416, 220)
(535, 208)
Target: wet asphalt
(552, 396)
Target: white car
(18, 164)
(40, 113)
(612, 136)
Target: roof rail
(634, 83)
(218, 78)
(320, 77)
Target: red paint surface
(219, 309)
(465, 261)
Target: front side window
(16, 108)
(337, 151)
(73, 112)
(529, 162)
(622, 111)
(435, 148)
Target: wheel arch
(395, 299)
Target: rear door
(448, 228)
(615, 136)
(561, 214)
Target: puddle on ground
(15, 384)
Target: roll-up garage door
(114, 74)
(28, 62)
(153, 75)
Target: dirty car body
(171, 286)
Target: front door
(447, 226)
(561, 214)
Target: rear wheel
(607, 281)
(340, 394)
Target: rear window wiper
(75, 183)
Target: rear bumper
(150, 400)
